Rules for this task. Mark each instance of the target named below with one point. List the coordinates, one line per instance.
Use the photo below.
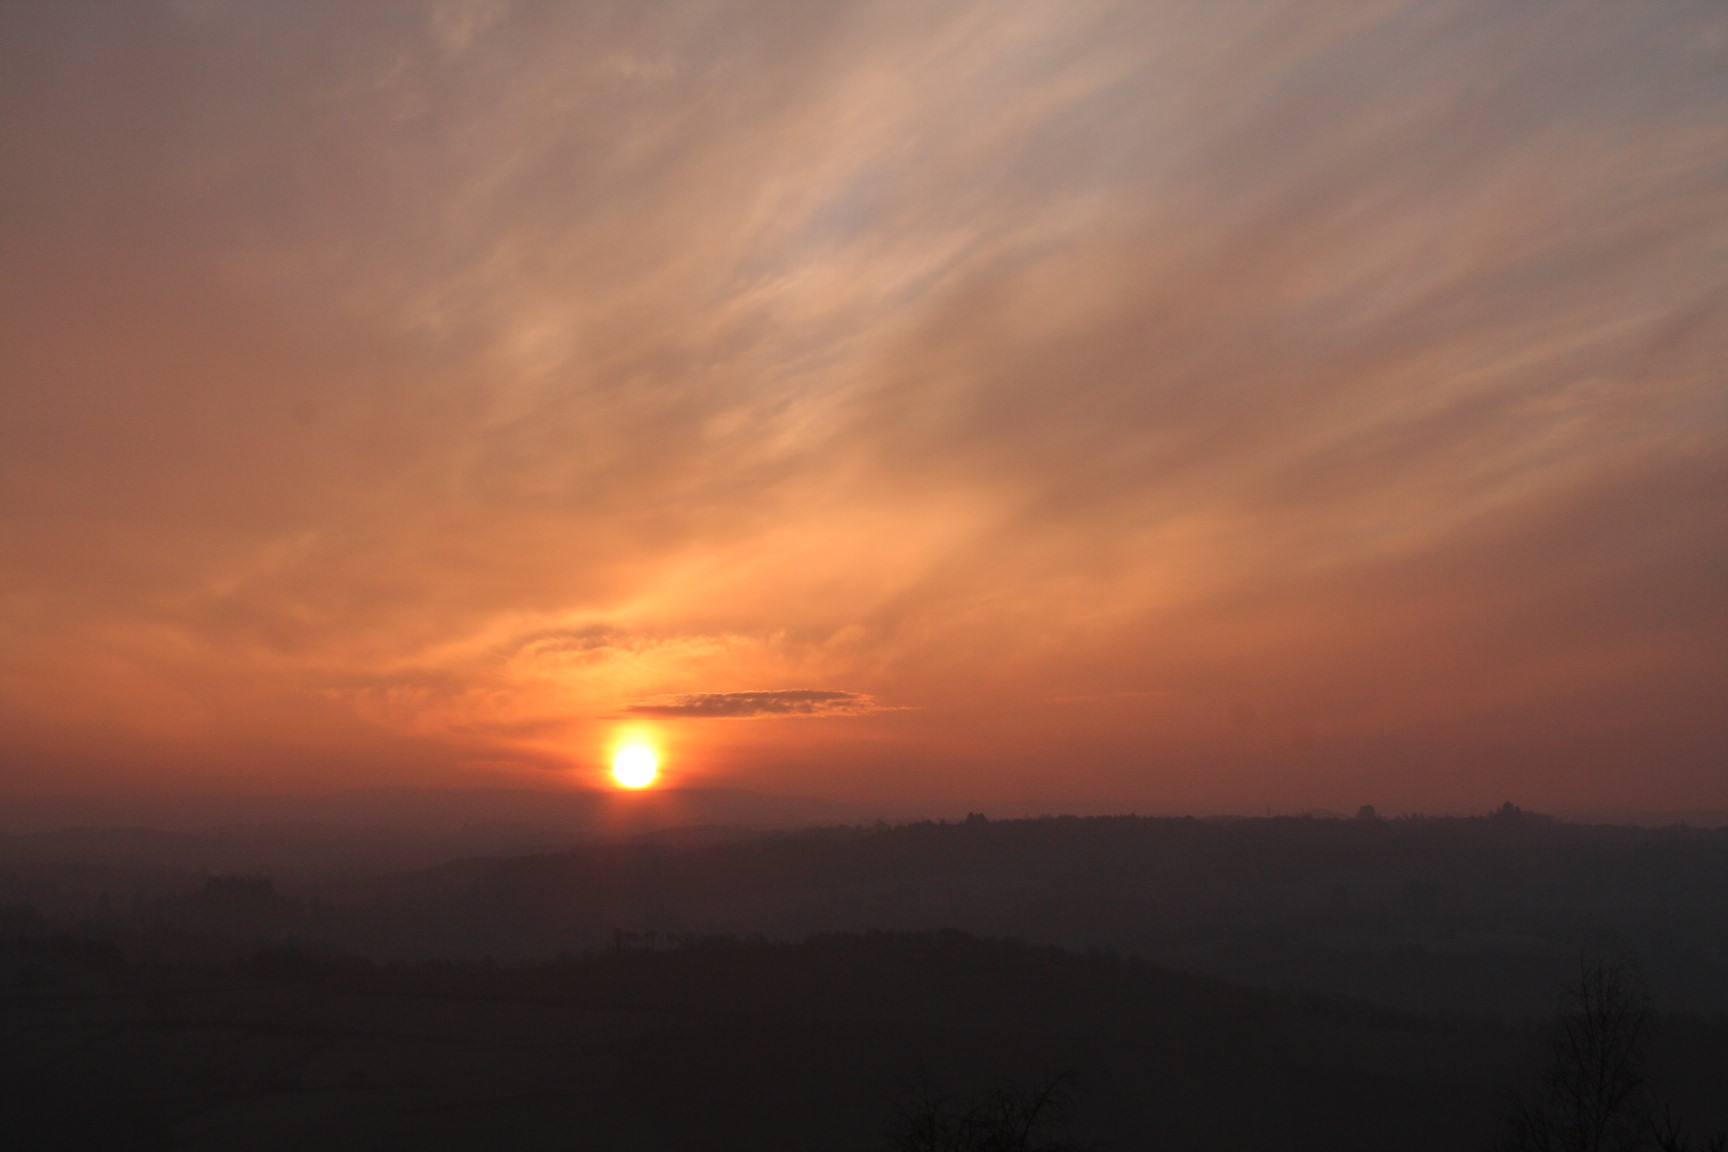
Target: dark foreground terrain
(1288, 983)
(728, 1045)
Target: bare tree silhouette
(1668, 1136)
(1008, 1118)
(1596, 1094)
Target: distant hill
(386, 829)
(1464, 914)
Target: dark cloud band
(718, 705)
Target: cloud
(440, 378)
(793, 702)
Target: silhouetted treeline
(1461, 914)
(1468, 914)
(1480, 914)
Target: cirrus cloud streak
(395, 387)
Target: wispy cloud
(393, 386)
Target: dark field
(723, 1046)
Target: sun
(635, 766)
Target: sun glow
(635, 766)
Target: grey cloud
(794, 702)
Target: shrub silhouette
(1008, 1118)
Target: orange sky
(1144, 404)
